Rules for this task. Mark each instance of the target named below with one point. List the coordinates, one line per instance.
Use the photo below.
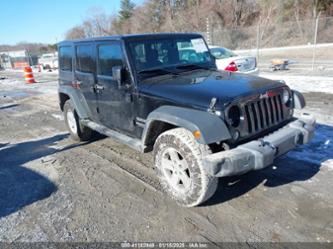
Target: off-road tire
(82, 133)
(202, 186)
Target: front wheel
(77, 131)
(178, 162)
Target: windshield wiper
(156, 70)
(192, 66)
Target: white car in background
(229, 61)
(49, 61)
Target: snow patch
(11, 82)
(57, 116)
(304, 83)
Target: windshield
(169, 54)
(222, 53)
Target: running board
(134, 143)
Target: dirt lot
(300, 59)
(52, 189)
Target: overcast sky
(46, 21)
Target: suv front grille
(264, 113)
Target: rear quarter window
(65, 56)
(84, 59)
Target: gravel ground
(52, 189)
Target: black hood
(197, 88)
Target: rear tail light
(232, 67)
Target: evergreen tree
(126, 10)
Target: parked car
(230, 61)
(49, 61)
(189, 54)
(200, 123)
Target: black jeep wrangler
(163, 93)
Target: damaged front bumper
(261, 153)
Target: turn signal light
(75, 85)
(197, 134)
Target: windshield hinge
(212, 105)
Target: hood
(197, 88)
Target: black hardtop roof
(128, 37)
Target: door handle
(99, 87)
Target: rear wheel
(178, 162)
(77, 131)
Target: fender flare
(78, 101)
(212, 127)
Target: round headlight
(234, 115)
(285, 96)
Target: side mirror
(117, 74)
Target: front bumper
(261, 153)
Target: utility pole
(315, 42)
(258, 39)
(208, 31)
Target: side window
(109, 55)
(65, 55)
(84, 59)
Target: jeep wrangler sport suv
(163, 93)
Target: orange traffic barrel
(29, 77)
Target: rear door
(85, 69)
(114, 103)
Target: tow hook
(264, 143)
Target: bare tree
(97, 23)
(190, 15)
(76, 32)
(297, 10)
(267, 9)
(319, 6)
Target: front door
(85, 75)
(115, 103)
